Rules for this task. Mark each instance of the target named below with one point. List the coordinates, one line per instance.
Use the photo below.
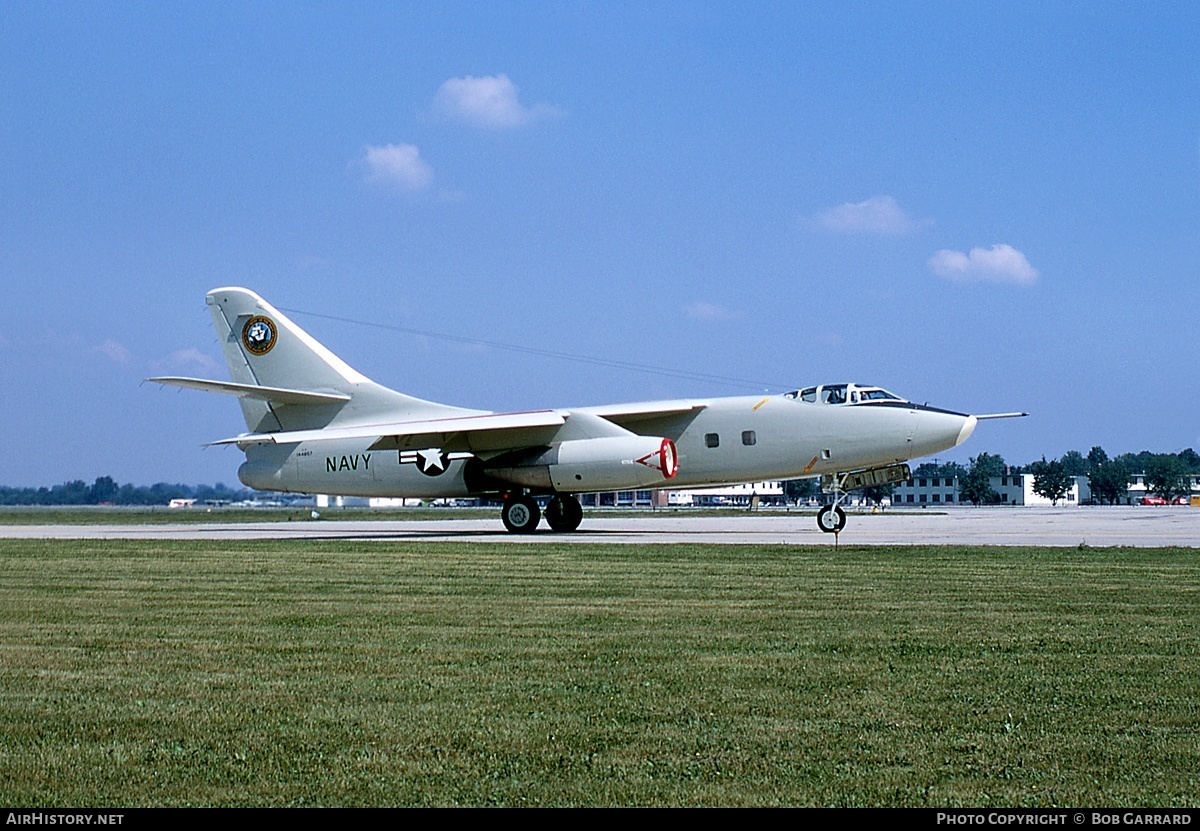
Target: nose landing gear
(832, 519)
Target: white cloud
(115, 352)
(699, 310)
(490, 101)
(877, 215)
(998, 264)
(398, 164)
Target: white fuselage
(727, 441)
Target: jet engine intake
(588, 465)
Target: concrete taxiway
(1092, 526)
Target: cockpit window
(809, 395)
(878, 395)
(835, 394)
(841, 394)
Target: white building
(1013, 488)
(766, 492)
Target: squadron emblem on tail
(259, 335)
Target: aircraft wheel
(831, 520)
(521, 515)
(564, 513)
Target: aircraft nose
(939, 430)
(967, 429)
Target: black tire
(521, 515)
(564, 513)
(831, 520)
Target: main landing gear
(564, 513)
(521, 513)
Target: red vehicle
(1153, 500)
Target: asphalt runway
(1093, 526)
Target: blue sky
(984, 206)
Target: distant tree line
(1108, 478)
(1167, 474)
(105, 491)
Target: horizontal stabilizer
(274, 394)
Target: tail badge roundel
(259, 334)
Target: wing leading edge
(486, 432)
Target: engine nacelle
(261, 475)
(588, 465)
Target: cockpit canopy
(842, 394)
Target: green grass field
(377, 673)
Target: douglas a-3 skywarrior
(318, 426)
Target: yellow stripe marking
(811, 464)
(760, 403)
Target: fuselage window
(712, 440)
(748, 437)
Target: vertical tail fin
(263, 347)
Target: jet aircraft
(315, 425)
